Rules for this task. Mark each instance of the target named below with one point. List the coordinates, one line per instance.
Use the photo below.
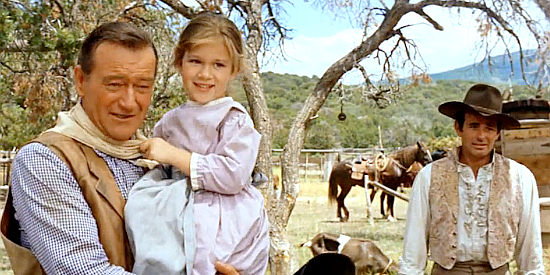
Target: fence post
(369, 208)
(327, 167)
(307, 162)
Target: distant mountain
(499, 70)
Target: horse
(392, 174)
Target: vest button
(453, 246)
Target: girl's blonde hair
(208, 27)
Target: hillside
(496, 70)
(412, 116)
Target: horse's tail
(332, 188)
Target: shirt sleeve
(57, 221)
(158, 129)
(229, 168)
(529, 243)
(415, 243)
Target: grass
(312, 214)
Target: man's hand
(225, 269)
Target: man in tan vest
(474, 211)
(65, 207)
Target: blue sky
(320, 39)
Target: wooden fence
(320, 161)
(313, 162)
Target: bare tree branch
(181, 8)
(492, 15)
(429, 19)
(13, 70)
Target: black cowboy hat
(328, 264)
(480, 99)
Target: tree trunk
(252, 84)
(279, 252)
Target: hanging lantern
(341, 115)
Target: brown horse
(391, 174)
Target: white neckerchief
(77, 125)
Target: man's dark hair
(461, 117)
(121, 33)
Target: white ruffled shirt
(472, 220)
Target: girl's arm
(229, 165)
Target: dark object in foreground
(366, 256)
(328, 263)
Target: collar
(210, 103)
(453, 155)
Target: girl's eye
(219, 65)
(194, 61)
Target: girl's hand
(158, 149)
(225, 269)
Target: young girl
(212, 140)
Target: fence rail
(311, 159)
(6, 158)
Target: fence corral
(319, 162)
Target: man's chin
(481, 153)
(118, 136)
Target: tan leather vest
(504, 208)
(99, 190)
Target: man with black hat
(474, 211)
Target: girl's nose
(205, 72)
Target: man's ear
(457, 128)
(79, 78)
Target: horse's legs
(372, 193)
(341, 206)
(391, 200)
(382, 199)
